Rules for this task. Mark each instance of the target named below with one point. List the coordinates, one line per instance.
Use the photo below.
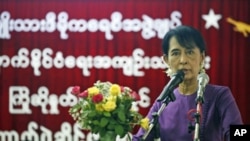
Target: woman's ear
(202, 69)
(168, 69)
(203, 56)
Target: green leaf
(107, 114)
(75, 108)
(119, 130)
(96, 122)
(111, 126)
(104, 122)
(92, 114)
(121, 116)
(113, 122)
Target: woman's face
(187, 59)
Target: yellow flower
(99, 107)
(111, 98)
(109, 106)
(145, 123)
(115, 90)
(93, 91)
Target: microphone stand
(154, 124)
(199, 102)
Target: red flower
(135, 96)
(83, 94)
(75, 90)
(97, 98)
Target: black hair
(186, 36)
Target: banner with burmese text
(49, 46)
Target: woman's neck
(188, 87)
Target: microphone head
(176, 79)
(179, 74)
(203, 77)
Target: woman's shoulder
(213, 87)
(217, 91)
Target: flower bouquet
(106, 107)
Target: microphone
(203, 80)
(176, 79)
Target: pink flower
(123, 89)
(135, 96)
(83, 94)
(75, 90)
(97, 98)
